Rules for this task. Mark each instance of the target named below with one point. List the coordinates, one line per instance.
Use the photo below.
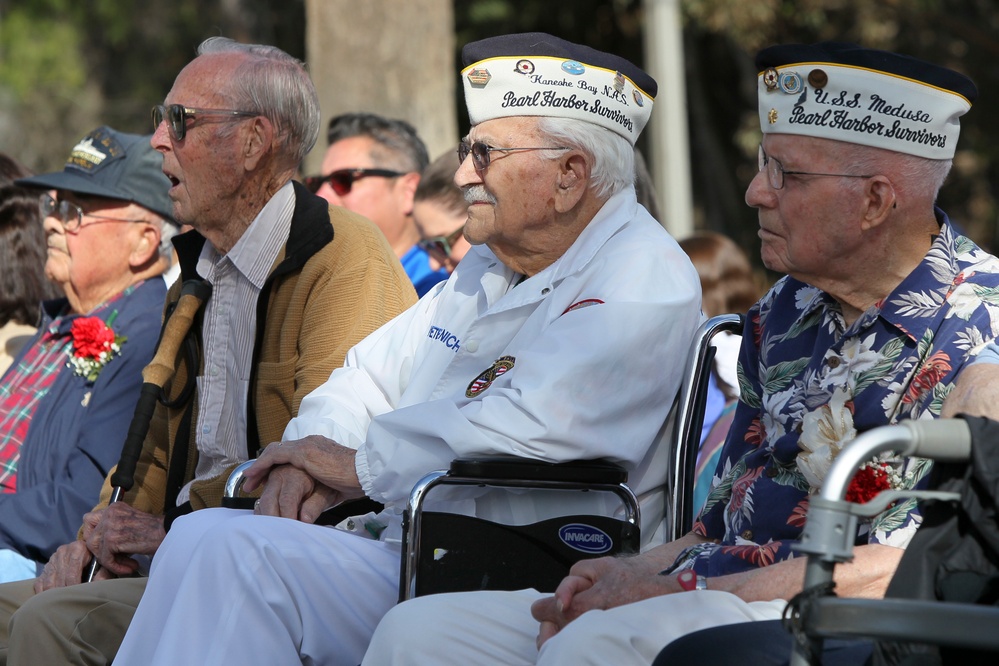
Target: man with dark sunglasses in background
(372, 167)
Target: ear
(146, 249)
(257, 140)
(406, 190)
(573, 180)
(879, 202)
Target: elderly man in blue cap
(68, 397)
(883, 305)
(557, 337)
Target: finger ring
(256, 505)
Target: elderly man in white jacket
(560, 336)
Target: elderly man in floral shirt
(883, 305)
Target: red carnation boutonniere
(94, 345)
(870, 480)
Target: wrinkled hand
(66, 566)
(325, 461)
(121, 532)
(292, 493)
(602, 583)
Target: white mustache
(475, 193)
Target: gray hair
(277, 86)
(613, 157)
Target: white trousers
(497, 628)
(230, 587)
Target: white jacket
(592, 350)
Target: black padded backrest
(463, 553)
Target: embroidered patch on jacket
(485, 380)
(583, 304)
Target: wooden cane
(193, 294)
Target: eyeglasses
(342, 180)
(441, 246)
(776, 171)
(69, 214)
(480, 152)
(177, 115)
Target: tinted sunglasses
(177, 115)
(343, 180)
(441, 246)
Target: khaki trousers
(80, 624)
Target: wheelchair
(445, 551)
(955, 606)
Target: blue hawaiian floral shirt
(809, 384)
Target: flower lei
(824, 433)
(94, 345)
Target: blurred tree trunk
(390, 57)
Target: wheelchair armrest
(917, 621)
(508, 467)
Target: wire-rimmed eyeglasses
(480, 152)
(776, 172)
(70, 215)
(177, 115)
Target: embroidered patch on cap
(93, 149)
(487, 377)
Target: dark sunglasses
(342, 180)
(177, 115)
(480, 152)
(441, 246)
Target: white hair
(913, 177)
(613, 158)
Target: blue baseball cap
(115, 165)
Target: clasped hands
(602, 583)
(303, 477)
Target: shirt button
(772, 472)
(833, 362)
(747, 535)
(472, 346)
(215, 372)
(206, 429)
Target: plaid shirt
(25, 385)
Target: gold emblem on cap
(772, 116)
(770, 79)
(479, 77)
(817, 78)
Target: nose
(760, 194)
(52, 225)
(160, 140)
(466, 173)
